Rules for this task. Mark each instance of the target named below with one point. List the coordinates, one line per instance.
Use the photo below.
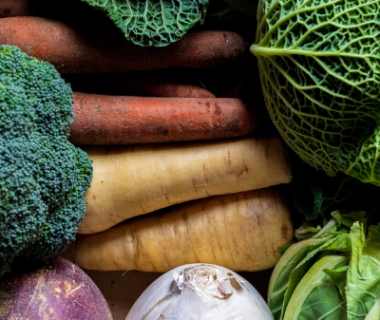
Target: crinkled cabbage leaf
(153, 22)
(319, 63)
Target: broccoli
(43, 177)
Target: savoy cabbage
(153, 22)
(319, 64)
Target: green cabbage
(153, 22)
(333, 275)
(319, 63)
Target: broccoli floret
(43, 177)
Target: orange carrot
(144, 84)
(105, 120)
(73, 51)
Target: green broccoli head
(43, 177)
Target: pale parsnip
(133, 180)
(240, 231)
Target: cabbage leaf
(153, 22)
(363, 279)
(319, 63)
(317, 296)
(373, 314)
(299, 258)
(343, 280)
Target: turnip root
(55, 290)
(240, 231)
(132, 180)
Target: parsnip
(240, 231)
(133, 180)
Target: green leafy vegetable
(316, 295)
(153, 22)
(373, 314)
(333, 275)
(319, 65)
(297, 260)
(362, 277)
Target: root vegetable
(105, 120)
(133, 180)
(51, 290)
(73, 51)
(240, 231)
(200, 291)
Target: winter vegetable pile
(153, 205)
(134, 180)
(229, 180)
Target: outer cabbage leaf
(300, 257)
(373, 314)
(306, 231)
(319, 64)
(153, 22)
(343, 283)
(363, 280)
(317, 296)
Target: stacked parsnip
(174, 180)
(234, 220)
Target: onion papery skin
(200, 292)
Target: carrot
(136, 84)
(238, 231)
(105, 120)
(133, 180)
(74, 52)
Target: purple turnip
(58, 290)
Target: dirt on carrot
(106, 120)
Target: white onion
(200, 292)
